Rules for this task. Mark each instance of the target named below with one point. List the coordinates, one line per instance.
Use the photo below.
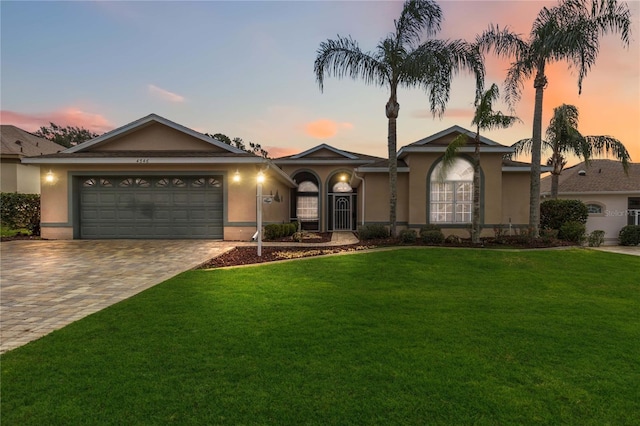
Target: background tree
(567, 32)
(484, 119)
(400, 60)
(66, 136)
(254, 148)
(563, 138)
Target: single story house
(16, 144)
(611, 195)
(154, 178)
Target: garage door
(151, 207)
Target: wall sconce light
(236, 176)
(343, 178)
(49, 177)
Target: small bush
(453, 239)
(432, 237)
(20, 211)
(596, 238)
(408, 236)
(372, 231)
(572, 231)
(274, 231)
(549, 235)
(555, 213)
(630, 235)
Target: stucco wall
(155, 137)
(515, 198)
(21, 178)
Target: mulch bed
(248, 255)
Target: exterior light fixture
(343, 178)
(49, 178)
(236, 176)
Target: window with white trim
(451, 199)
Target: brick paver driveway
(46, 285)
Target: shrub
(572, 231)
(372, 231)
(452, 239)
(630, 235)
(549, 235)
(555, 213)
(596, 238)
(408, 236)
(20, 211)
(432, 237)
(278, 230)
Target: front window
(452, 194)
(594, 208)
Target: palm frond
(342, 57)
(434, 63)
(450, 154)
(417, 17)
(609, 146)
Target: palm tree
(400, 60)
(484, 118)
(564, 138)
(567, 32)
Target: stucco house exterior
(612, 197)
(154, 178)
(16, 144)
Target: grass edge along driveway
(424, 336)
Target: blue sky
(246, 69)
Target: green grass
(414, 336)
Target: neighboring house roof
(17, 143)
(146, 121)
(438, 142)
(600, 176)
(323, 154)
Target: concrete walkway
(633, 251)
(46, 285)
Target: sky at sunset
(245, 69)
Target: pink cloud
(325, 129)
(165, 94)
(276, 152)
(70, 116)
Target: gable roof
(600, 176)
(323, 154)
(438, 142)
(146, 121)
(15, 142)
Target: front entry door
(342, 212)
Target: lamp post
(260, 181)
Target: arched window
(451, 197)
(595, 208)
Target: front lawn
(407, 336)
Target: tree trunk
(555, 178)
(392, 109)
(540, 83)
(475, 220)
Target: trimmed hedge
(596, 238)
(555, 213)
(372, 231)
(20, 211)
(630, 235)
(431, 234)
(408, 236)
(279, 230)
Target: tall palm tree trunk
(540, 83)
(475, 221)
(555, 178)
(392, 110)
